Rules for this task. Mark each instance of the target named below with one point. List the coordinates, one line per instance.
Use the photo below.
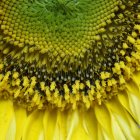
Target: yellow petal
(123, 119)
(103, 118)
(90, 122)
(102, 135)
(131, 103)
(116, 129)
(21, 116)
(76, 128)
(12, 129)
(7, 128)
(54, 125)
(133, 88)
(72, 122)
(60, 129)
(136, 78)
(49, 122)
(123, 99)
(34, 126)
(134, 103)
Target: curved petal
(54, 123)
(34, 126)
(21, 117)
(7, 120)
(124, 120)
(103, 118)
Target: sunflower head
(67, 53)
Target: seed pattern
(79, 54)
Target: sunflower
(69, 69)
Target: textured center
(62, 9)
(60, 29)
(67, 52)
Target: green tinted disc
(67, 52)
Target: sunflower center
(64, 30)
(64, 52)
(62, 9)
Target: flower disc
(66, 53)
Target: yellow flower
(69, 69)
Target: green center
(60, 29)
(56, 52)
(62, 8)
(59, 10)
